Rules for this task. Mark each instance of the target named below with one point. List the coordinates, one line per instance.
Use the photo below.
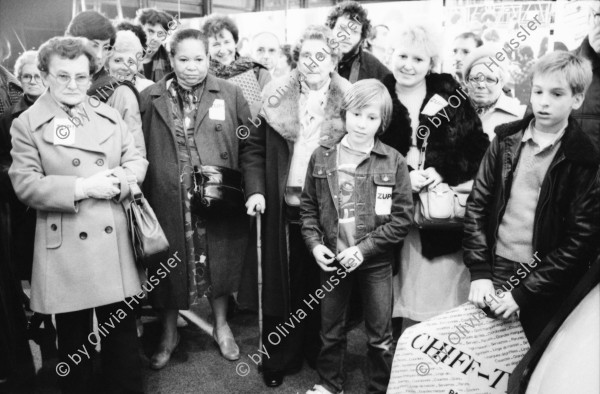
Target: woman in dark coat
(190, 117)
(301, 109)
(433, 277)
(17, 233)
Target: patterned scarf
(238, 66)
(188, 97)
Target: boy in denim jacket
(356, 206)
(532, 220)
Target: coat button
(83, 235)
(53, 227)
(100, 162)
(386, 178)
(76, 162)
(108, 229)
(320, 172)
(219, 127)
(224, 155)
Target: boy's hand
(505, 306)
(479, 289)
(350, 258)
(417, 180)
(324, 257)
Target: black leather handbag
(218, 192)
(147, 237)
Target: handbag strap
(134, 189)
(422, 152)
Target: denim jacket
(376, 235)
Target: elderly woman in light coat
(484, 80)
(76, 177)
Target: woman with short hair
(302, 110)
(76, 177)
(428, 105)
(226, 63)
(485, 84)
(190, 119)
(123, 62)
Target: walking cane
(259, 260)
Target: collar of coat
(281, 99)
(46, 108)
(378, 147)
(9, 78)
(19, 107)
(576, 145)
(509, 105)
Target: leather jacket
(567, 217)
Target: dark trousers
(377, 300)
(534, 318)
(120, 357)
(303, 341)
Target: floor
(197, 366)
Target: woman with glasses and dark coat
(433, 277)
(17, 232)
(75, 178)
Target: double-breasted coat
(82, 255)
(217, 144)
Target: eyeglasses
(482, 78)
(28, 78)
(65, 79)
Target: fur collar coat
(281, 107)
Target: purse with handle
(442, 206)
(147, 236)
(218, 192)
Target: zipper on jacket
(546, 198)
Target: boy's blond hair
(365, 92)
(576, 70)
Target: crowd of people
(346, 128)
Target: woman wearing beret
(485, 80)
(76, 178)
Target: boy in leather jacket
(532, 218)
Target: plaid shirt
(10, 90)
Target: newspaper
(460, 351)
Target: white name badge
(383, 200)
(217, 111)
(63, 131)
(434, 105)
